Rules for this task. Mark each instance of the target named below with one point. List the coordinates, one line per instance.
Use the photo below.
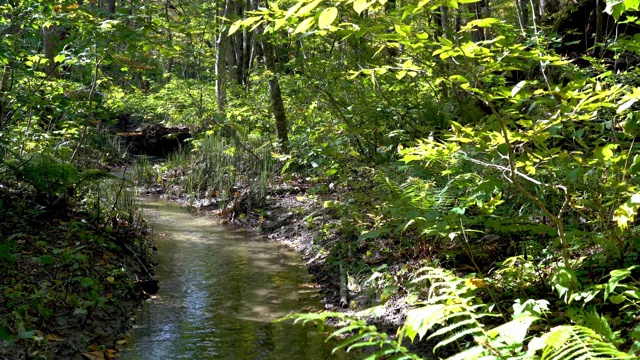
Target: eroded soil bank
(69, 282)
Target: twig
(344, 290)
(92, 91)
(466, 240)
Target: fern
(567, 342)
(360, 335)
(595, 322)
(415, 193)
(452, 306)
(453, 314)
(47, 175)
(91, 176)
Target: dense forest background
(479, 156)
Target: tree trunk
(169, 35)
(247, 50)
(111, 7)
(239, 54)
(277, 106)
(599, 35)
(50, 41)
(444, 21)
(222, 42)
(478, 33)
(523, 13)
(221, 75)
(231, 60)
(4, 87)
(542, 9)
(486, 15)
(252, 47)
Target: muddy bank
(70, 281)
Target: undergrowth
(73, 247)
(233, 171)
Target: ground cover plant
(74, 256)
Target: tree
(277, 105)
(222, 45)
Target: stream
(220, 292)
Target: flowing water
(220, 292)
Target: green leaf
(293, 9)
(616, 8)
(626, 105)
(635, 167)
(432, 215)
(87, 281)
(308, 8)
(234, 27)
(564, 280)
(421, 320)
(107, 25)
(577, 342)
(59, 58)
(482, 23)
(370, 234)
(627, 211)
(45, 260)
(360, 5)
(515, 331)
(5, 333)
(327, 17)
(279, 23)
(605, 153)
(575, 174)
(404, 31)
(304, 25)
(616, 299)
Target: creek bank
(294, 214)
(70, 283)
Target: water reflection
(220, 292)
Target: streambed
(220, 292)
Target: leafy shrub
(46, 174)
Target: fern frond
(386, 185)
(450, 303)
(475, 352)
(93, 175)
(458, 335)
(414, 193)
(600, 325)
(569, 342)
(456, 325)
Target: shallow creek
(220, 292)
